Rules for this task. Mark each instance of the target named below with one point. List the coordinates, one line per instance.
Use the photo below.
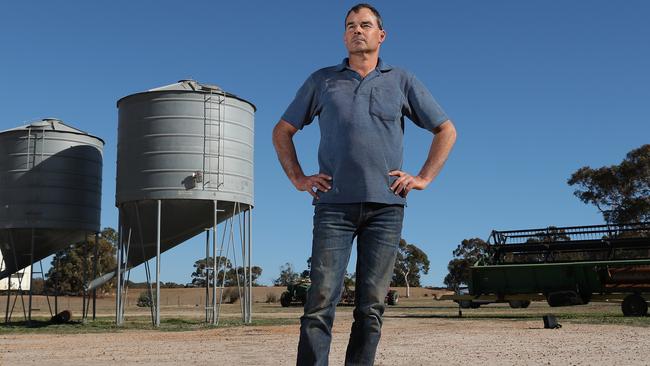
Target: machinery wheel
(563, 298)
(393, 298)
(519, 304)
(634, 305)
(465, 304)
(285, 299)
(474, 305)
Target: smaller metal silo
(50, 190)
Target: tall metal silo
(184, 164)
(50, 190)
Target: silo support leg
(214, 261)
(95, 274)
(118, 295)
(158, 266)
(206, 271)
(31, 279)
(8, 293)
(249, 238)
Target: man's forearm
(286, 151)
(441, 145)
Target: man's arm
(286, 150)
(443, 140)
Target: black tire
(519, 304)
(465, 304)
(634, 305)
(563, 298)
(393, 298)
(285, 299)
(474, 305)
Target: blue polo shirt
(362, 127)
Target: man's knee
(371, 313)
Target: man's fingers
(321, 175)
(313, 194)
(320, 186)
(402, 185)
(400, 181)
(397, 182)
(319, 183)
(408, 185)
(407, 188)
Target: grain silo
(50, 191)
(184, 164)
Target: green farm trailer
(568, 266)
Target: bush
(271, 297)
(144, 301)
(231, 295)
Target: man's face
(362, 33)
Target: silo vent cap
(189, 85)
(42, 123)
(49, 124)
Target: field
(419, 331)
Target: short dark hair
(374, 11)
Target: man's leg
(334, 229)
(377, 245)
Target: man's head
(364, 29)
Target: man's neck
(363, 63)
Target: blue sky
(536, 89)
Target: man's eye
(366, 26)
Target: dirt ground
(419, 331)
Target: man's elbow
(282, 132)
(446, 129)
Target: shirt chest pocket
(385, 103)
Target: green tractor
(347, 297)
(392, 297)
(296, 293)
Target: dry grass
(183, 309)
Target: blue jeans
(377, 228)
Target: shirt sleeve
(303, 109)
(422, 108)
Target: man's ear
(382, 37)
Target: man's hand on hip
(405, 182)
(313, 183)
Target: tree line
(72, 267)
(410, 264)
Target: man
(360, 190)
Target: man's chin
(358, 50)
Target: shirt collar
(381, 66)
